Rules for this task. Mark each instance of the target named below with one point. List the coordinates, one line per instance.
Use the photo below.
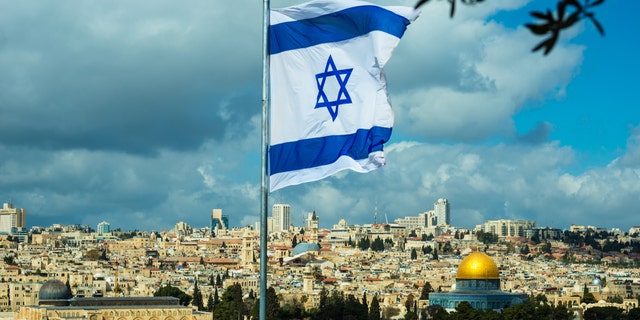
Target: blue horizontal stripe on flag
(337, 26)
(321, 151)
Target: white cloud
(467, 77)
(477, 180)
(632, 156)
(145, 116)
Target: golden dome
(477, 265)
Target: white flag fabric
(329, 104)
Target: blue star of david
(342, 77)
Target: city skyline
(302, 219)
(146, 116)
(489, 225)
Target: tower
(281, 214)
(307, 280)
(312, 227)
(116, 289)
(441, 209)
(375, 214)
(247, 248)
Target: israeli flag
(329, 104)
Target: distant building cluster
(439, 216)
(72, 271)
(508, 228)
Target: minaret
(307, 280)
(375, 214)
(247, 248)
(313, 225)
(116, 289)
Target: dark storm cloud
(123, 77)
(108, 109)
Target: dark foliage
(197, 298)
(550, 25)
(607, 313)
(231, 305)
(426, 289)
(171, 291)
(334, 305)
(487, 237)
(364, 244)
(210, 303)
(537, 308)
(377, 244)
(634, 314)
(374, 309)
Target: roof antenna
(375, 214)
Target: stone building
(477, 282)
(56, 302)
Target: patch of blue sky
(601, 106)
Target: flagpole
(264, 200)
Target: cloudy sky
(145, 115)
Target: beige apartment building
(508, 228)
(12, 217)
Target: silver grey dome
(54, 290)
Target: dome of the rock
(478, 283)
(477, 265)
